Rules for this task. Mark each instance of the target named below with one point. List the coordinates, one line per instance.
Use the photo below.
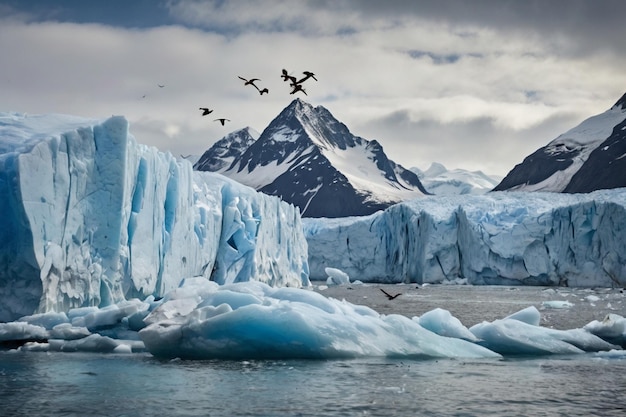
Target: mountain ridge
(588, 157)
(312, 160)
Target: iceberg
(201, 319)
(91, 218)
(512, 336)
(501, 238)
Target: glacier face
(510, 238)
(90, 218)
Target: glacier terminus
(89, 217)
(113, 246)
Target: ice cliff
(510, 238)
(89, 217)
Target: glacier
(501, 238)
(90, 218)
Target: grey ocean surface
(80, 384)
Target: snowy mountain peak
(586, 158)
(226, 149)
(313, 161)
(439, 180)
(435, 169)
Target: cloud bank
(474, 85)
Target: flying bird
(250, 81)
(264, 91)
(205, 111)
(222, 121)
(296, 88)
(391, 297)
(307, 75)
(285, 75)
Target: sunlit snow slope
(591, 156)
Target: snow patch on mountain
(438, 180)
(310, 159)
(598, 143)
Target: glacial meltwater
(80, 384)
(138, 384)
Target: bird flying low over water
(389, 296)
(222, 121)
(205, 111)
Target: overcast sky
(473, 84)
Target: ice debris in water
(336, 277)
(252, 320)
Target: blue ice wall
(502, 238)
(90, 217)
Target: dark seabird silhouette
(285, 75)
(391, 297)
(250, 81)
(222, 121)
(296, 88)
(264, 91)
(307, 75)
(205, 111)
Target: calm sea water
(62, 384)
(81, 384)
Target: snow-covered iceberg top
(251, 320)
(89, 217)
(509, 238)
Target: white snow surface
(89, 217)
(585, 137)
(439, 180)
(358, 166)
(509, 238)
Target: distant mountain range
(438, 180)
(310, 159)
(589, 157)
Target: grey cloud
(473, 144)
(581, 25)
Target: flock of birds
(294, 83)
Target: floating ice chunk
(91, 343)
(557, 304)
(19, 330)
(288, 323)
(592, 298)
(336, 277)
(123, 348)
(529, 315)
(46, 320)
(514, 337)
(66, 331)
(443, 323)
(113, 314)
(612, 328)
